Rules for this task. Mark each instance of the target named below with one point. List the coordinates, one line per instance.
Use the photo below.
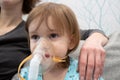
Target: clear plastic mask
(42, 59)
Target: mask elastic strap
(58, 59)
(25, 60)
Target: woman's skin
(92, 56)
(11, 15)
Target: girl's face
(61, 43)
(10, 3)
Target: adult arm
(92, 54)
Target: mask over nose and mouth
(41, 60)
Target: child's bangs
(57, 24)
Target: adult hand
(92, 57)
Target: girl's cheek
(61, 51)
(32, 47)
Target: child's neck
(55, 74)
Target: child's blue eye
(35, 37)
(53, 35)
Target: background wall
(95, 14)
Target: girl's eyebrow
(53, 31)
(32, 31)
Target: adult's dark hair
(28, 5)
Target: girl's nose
(44, 43)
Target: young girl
(54, 33)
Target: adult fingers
(90, 65)
(103, 55)
(98, 65)
(82, 63)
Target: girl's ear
(72, 42)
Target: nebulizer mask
(41, 60)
